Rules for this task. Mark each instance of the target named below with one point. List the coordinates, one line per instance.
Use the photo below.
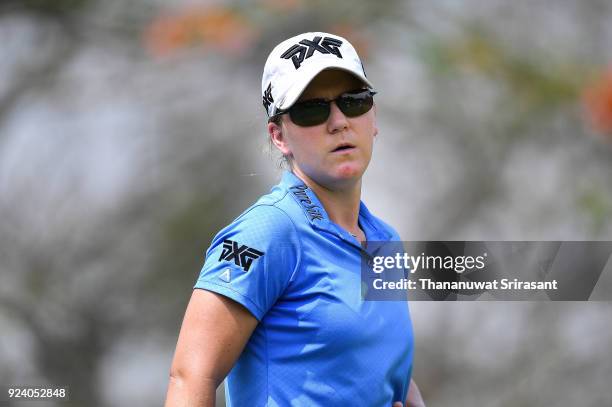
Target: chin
(348, 171)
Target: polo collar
(318, 217)
(306, 198)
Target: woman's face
(314, 150)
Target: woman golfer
(277, 307)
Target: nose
(337, 121)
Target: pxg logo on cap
(306, 48)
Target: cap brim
(296, 90)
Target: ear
(275, 132)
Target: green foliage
(597, 205)
(531, 84)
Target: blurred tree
(78, 277)
(50, 8)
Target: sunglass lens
(309, 114)
(354, 105)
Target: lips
(343, 147)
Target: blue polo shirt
(317, 342)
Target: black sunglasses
(316, 111)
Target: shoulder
(260, 224)
(272, 220)
(277, 211)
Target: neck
(340, 203)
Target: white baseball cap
(295, 62)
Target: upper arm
(247, 267)
(214, 332)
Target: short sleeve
(253, 259)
